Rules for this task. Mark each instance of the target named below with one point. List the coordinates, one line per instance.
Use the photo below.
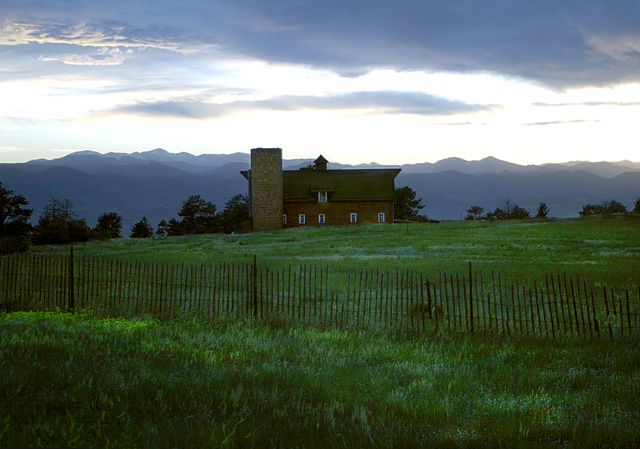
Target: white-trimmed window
(284, 218)
(323, 197)
(381, 217)
(353, 218)
(321, 218)
(302, 218)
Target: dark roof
(343, 185)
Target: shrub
(508, 211)
(607, 207)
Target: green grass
(86, 381)
(604, 251)
(82, 380)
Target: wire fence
(558, 305)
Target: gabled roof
(343, 185)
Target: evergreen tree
(109, 226)
(235, 212)
(163, 228)
(199, 216)
(142, 229)
(543, 210)
(14, 222)
(406, 206)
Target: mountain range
(155, 183)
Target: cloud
(558, 43)
(113, 56)
(103, 35)
(381, 102)
(561, 122)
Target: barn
(315, 195)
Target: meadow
(605, 251)
(88, 380)
(79, 380)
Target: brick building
(316, 196)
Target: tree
(235, 212)
(174, 227)
(636, 206)
(475, 213)
(14, 222)
(614, 207)
(406, 206)
(142, 229)
(109, 226)
(508, 211)
(163, 228)
(14, 217)
(199, 216)
(59, 224)
(543, 210)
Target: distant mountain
(604, 169)
(94, 162)
(155, 183)
(97, 162)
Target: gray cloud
(558, 43)
(387, 102)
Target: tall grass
(87, 381)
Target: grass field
(84, 380)
(604, 251)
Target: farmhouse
(315, 195)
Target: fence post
(470, 296)
(255, 286)
(71, 288)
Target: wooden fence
(559, 305)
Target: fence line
(559, 305)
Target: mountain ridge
(205, 162)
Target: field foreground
(80, 380)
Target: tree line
(511, 211)
(60, 224)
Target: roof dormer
(320, 163)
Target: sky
(393, 82)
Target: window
(323, 197)
(302, 219)
(381, 217)
(321, 218)
(353, 218)
(284, 218)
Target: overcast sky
(397, 81)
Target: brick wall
(337, 213)
(266, 189)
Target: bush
(14, 244)
(606, 208)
